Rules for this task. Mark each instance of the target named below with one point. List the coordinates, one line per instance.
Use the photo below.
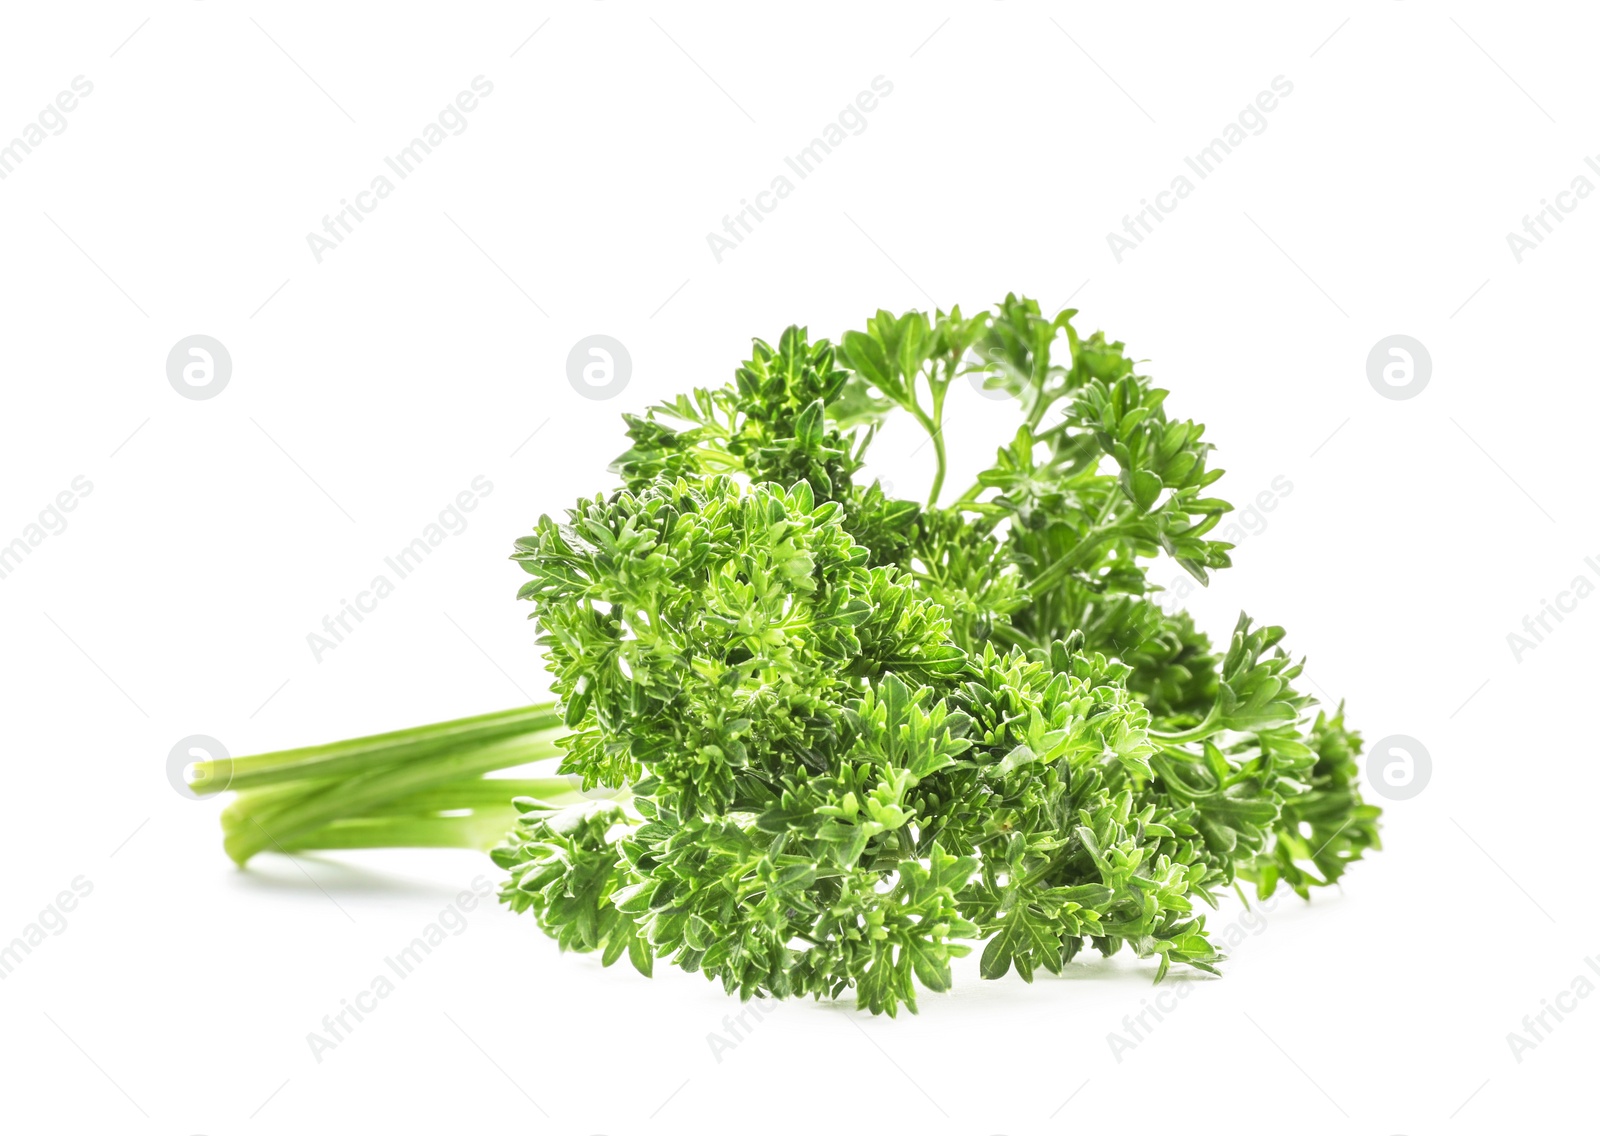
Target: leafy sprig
(846, 736)
(870, 729)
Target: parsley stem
(1207, 727)
(257, 770)
(936, 434)
(301, 791)
(971, 494)
(480, 830)
(1069, 560)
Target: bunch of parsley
(813, 738)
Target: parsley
(812, 738)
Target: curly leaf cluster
(855, 735)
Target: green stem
(970, 495)
(1005, 633)
(1207, 727)
(939, 390)
(1051, 431)
(938, 476)
(1036, 415)
(479, 793)
(289, 796)
(356, 754)
(1063, 564)
(354, 797)
(936, 433)
(480, 830)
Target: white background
(369, 389)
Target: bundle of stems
(424, 787)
